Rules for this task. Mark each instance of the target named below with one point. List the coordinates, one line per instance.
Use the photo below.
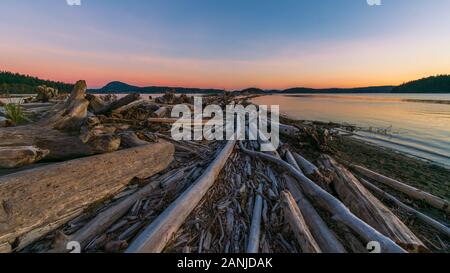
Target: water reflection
(420, 127)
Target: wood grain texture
(34, 198)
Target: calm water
(421, 129)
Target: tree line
(15, 83)
(433, 84)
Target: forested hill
(15, 83)
(434, 84)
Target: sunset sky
(229, 44)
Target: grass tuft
(14, 112)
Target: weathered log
(155, 237)
(71, 114)
(13, 157)
(104, 220)
(119, 103)
(298, 224)
(36, 197)
(5, 248)
(424, 218)
(289, 131)
(325, 238)
(129, 106)
(412, 192)
(367, 207)
(104, 143)
(328, 202)
(96, 104)
(130, 139)
(28, 106)
(255, 228)
(5, 122)
(161, 112)
(312, 172)
(61, 145)
(291, 160)
(176, 120)
(307, 167)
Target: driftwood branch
(412, 192)
(424, 218)
(255, 228)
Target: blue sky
(228, 44)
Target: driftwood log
(424, 218)
(289, 130)
(298, 224)
(118, 103)
(255, 228)
(39, 197)
(155, 237)
(324, 236)
(329, 203)
(367, 207)
(14, 157)
(307, 167)
(103, 220)
(412, 192)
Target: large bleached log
(367, 207)
(412, 192)
(329, 203)
(298, 224)
(255, 228)
(119, 103)
(34, 198)
(13, 157)
(155, 237)
(426, 219)
(325, 238)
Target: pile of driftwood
(104, 175)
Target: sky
(229, 44)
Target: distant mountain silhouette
(120, 87)
(434, 84)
